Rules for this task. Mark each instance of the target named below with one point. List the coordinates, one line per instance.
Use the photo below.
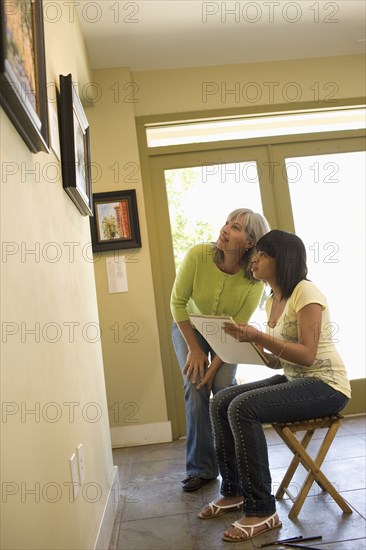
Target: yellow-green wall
(53, 389)
(250, 85)
(131, 352)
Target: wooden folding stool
(286, 431)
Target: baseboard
(357, 403)
(141, 434)
(106, 525)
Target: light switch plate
(81, 462)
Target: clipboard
(225, 346)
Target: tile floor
(155, 514)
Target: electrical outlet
(74, 475)
(81, 462)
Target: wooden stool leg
(315, 473)
(283, 488)
(325, 446)
(321, 479)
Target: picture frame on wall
(115, 224)
(75, 147)
(23, 84)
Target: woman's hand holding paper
(241, 331)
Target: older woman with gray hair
(213, 279)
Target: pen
(292, 541)
(295, 545)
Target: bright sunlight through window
(256, 127)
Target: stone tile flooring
(155, 514)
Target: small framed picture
(23, 85)
(75, 147)
(115, 223)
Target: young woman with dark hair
(314, 384)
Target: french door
(314, 187)
(325, 183)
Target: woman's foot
(192, 483)
(221, 506)
(249, 527)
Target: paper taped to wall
(117, 275)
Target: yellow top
(328, 365)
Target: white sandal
(248, 530)
(217, 510)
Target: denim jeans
(200, 452)
(237, 415)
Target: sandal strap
(215, 508)
(243, 529)
(270, 522)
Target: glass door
(327, 194)
(199, 199)
(188, 201)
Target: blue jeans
(200, 452)
(237, 415)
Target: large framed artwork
(23, 85)
(75, 147)
(115, 223)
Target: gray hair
(254, 226)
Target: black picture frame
(115, 224)
(75, 147)
(23, 84)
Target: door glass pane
(328, 203)
(200, 198)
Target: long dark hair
(289, 252)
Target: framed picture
(115, 223)
(23, 86)
(75, 147)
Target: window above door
(254, 126)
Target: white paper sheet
(226, 347)
(117, 275)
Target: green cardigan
(202, 288)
